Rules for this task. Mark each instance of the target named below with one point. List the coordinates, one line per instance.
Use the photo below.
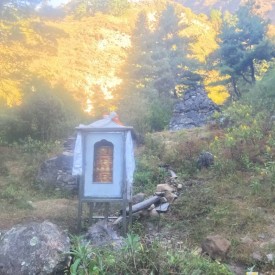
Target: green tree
(47, 113)
(137, 75)
(173, 68)
(16, 9)
(90, 7)
(141, 104)
(117, 7)
(243, 44)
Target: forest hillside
(62, 65)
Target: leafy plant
(88, 260)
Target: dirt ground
(62, 212)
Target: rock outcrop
(34, 248)
(57, 171)
(194, 110)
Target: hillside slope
(264, 8)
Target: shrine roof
(108, 123)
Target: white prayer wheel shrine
(104, 162)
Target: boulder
(205, 160)
(34, 248)
(215, 246)
(102, 234)
(57, 173)
(194, 110)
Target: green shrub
(160, 114)
(148, 174)
(138, 256)
(146, 113)
(243, 142)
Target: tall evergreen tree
(141, 105)
(243, 44)
(170, 56)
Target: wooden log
(137, 208)
(144, 204)
(120, 218)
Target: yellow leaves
(267, 149)
(174, 47)
(271, 32)
(244, 127)
(10, 92)
(218, 93)
(202, 34)
(88, 57)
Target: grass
(235, 198)
(21, 198)
(138, 256)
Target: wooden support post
(124, 218)
(106, 211)
(130, 215)
(79, 216)
(91, 209)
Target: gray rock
(34, 248)
(163, 207)
(205, 160)
(170, 196)
(57, 173)
(262, 236)
(153, 213)
(69, 144)
(102, 234)
(179, 186)
(215, 246)
(152, 206)
(256, 256)
(270, 257)
(194, 110)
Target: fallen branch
(144, 204)
(136, 208)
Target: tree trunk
(234, 84)
(252, 71)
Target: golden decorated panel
(103, 164)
